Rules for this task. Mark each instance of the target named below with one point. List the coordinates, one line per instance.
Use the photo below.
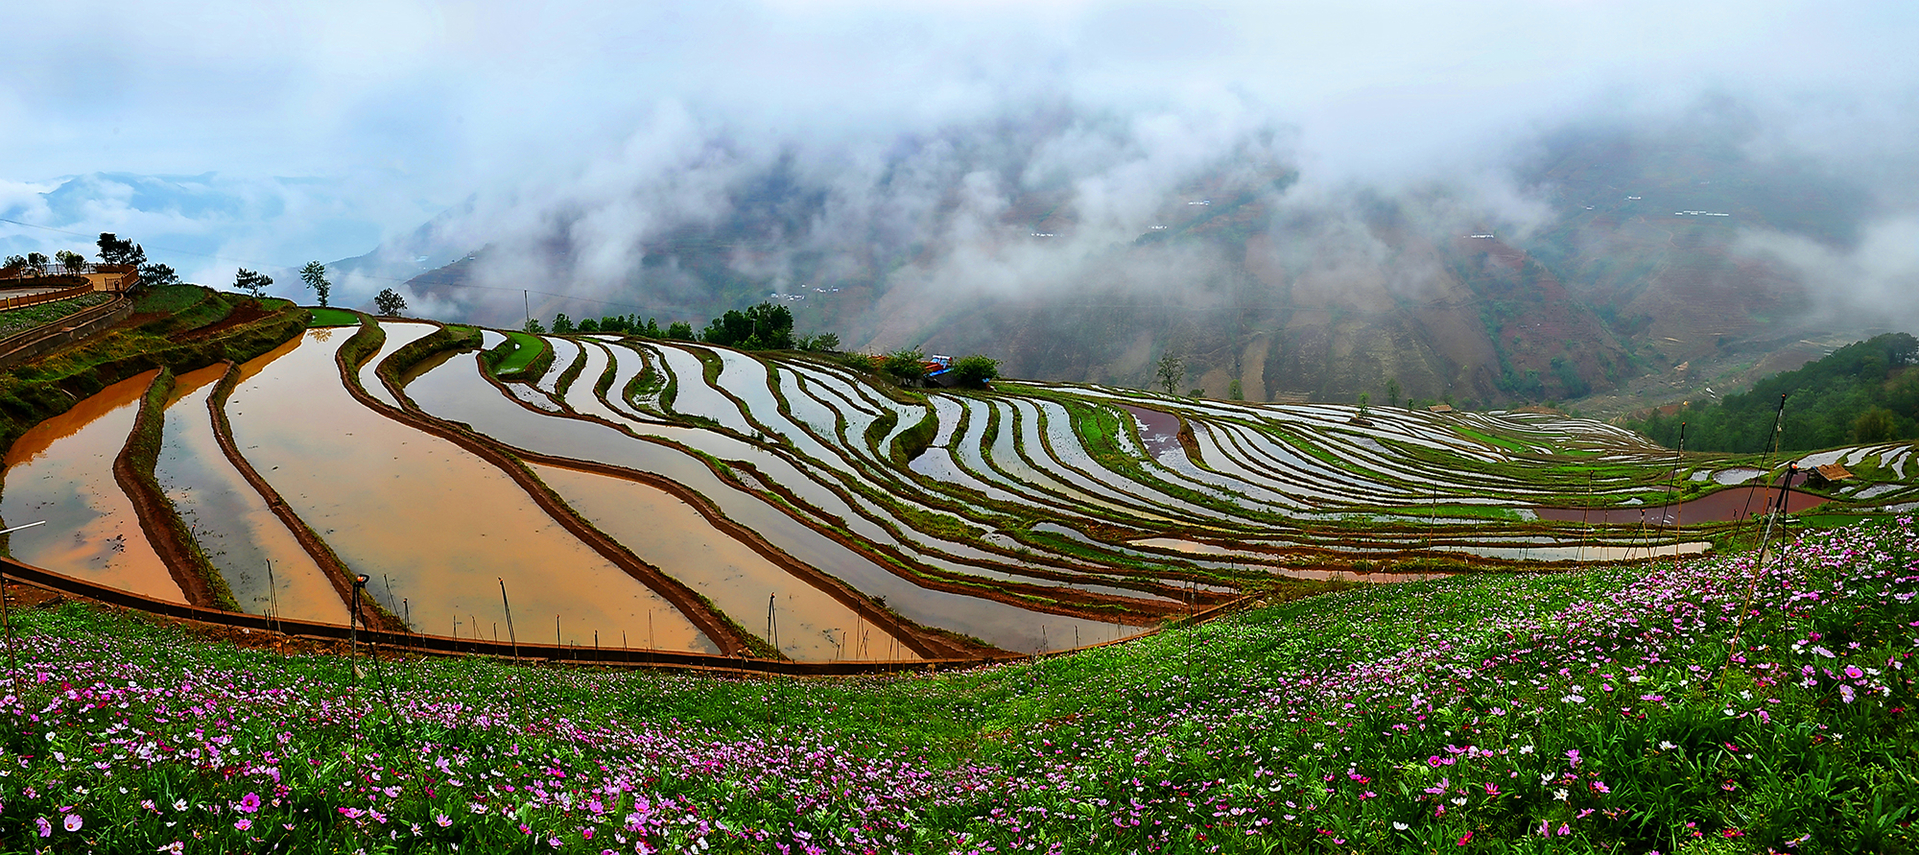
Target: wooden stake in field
(353, 631)
(510, 634)
(1671, 480)
(1772, 441)
(6, 617)
(273, 598)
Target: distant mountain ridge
(1636, 269)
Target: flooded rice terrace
(780, 501)
(61, 471)
(436, 528)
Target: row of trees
(1864, 392)
(113, 250)
(769, 326)
(763, 327)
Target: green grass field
(1705, 707)
(332, 318)
(526, 347)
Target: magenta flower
(248, 803)
(72, 822)
(243, 823)
(1572, 756)
(46, 828)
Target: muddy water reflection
(229, 519)
(455, 391)
(61, 471)
(428, 522)
(667, 532)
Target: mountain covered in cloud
(1082, 246)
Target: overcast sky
(335, 123)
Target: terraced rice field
(678, 496)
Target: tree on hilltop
(252, 282)
(763, 327)
(113, 250)
(70, 261)
(314, 274)
(389, 303)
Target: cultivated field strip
(682, 496)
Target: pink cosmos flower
(72, 822)
(243, 823)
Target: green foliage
(767, 326)
(679, 331)
(1234, 392)
(820, 342)
(1868, 388)
(589, 325)
(252, 282)
(976, 370)
(905, 366)
(155, 273)
(389, 302)
(114, 250)
(1170, 370)
(70, 261)
(534, 326)
(314, 275)
(562, 325)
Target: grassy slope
(333, 318)
(1577, 712)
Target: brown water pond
(435, 527)
(230, 520)
(61, 471)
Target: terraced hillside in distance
(672, 496)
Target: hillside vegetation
(1714, 705)
(1863, 392)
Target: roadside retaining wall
(44, 339)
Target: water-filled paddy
(456, 392)
(668, 533)
(435, 527)
(61, 471)
(230, 520)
